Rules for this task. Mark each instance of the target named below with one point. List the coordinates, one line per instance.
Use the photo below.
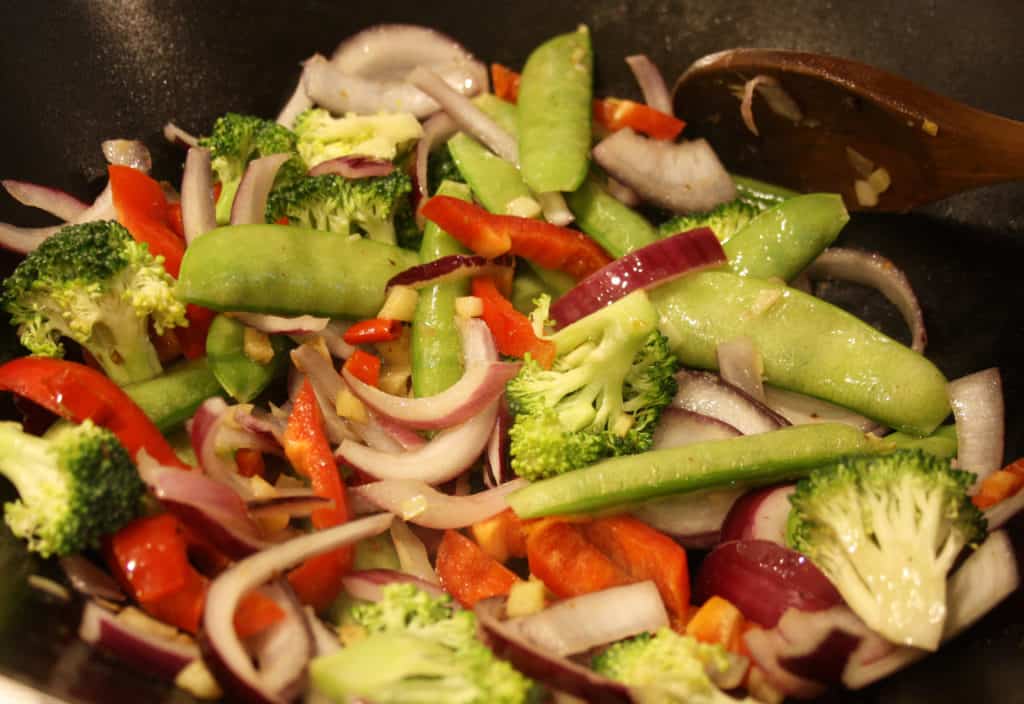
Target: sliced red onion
(160, 657)
(652, 84)
(51, 200)
(678, 427)
(324, 636)
(250, 203)
(25, 239)
(998, 515)
(739, 363)
(285, 649)
(775, 95)
(764, 647)
(287, 502)
(977, 401)
(412, 553)
(406, 438)
(683, 177)
(446, 456)
(128, 152)
(435, 131)
(222, 651)
(454, 267)
(466, 115)
(622, 193)
(375, 436)
(368, 585)
(655, 264)
(576, 625)
(326, 385)
(278, 325)
(419, 503)
(203, 431)
(710, 395)
(800, 409)
(333, 335)
(760, 514)
(764, 579)
(353, 166)
(877, 272)
(557, 673)
(821, 643)
(176, 135)
(210, 507)
(198, 211)
(556, 210)
(694, 519)
(298, 103)
(987, 577)
(263, 424)
(499, 463)
(88, 579)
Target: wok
(74, 73)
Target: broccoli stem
(123, 349)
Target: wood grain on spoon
(931, 146)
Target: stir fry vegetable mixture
(430, 392)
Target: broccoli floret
(613, 375)
(238, 139)
(337, 204)
(96, 285)
(384, 136)
(418, 649)
(725, 220)
(885, 530)
(666, 668)
(75, 484)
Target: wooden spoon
(931, 146)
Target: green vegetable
(942, 443)
(807, 345)
(238, 139)
(555, 93)
(243, 378)
(336, 204)
(96, 285)
(749, 460)
(759, 194)
(495, 182)
(418, 650)
(173, 397)
(504, 113)
(526, 287)
(666, 668)
(783, 240)
(75, 484)
(436, 346)
(603, 396)
(382, 136)
(289, 271)
(441, 167)
(885, 531)
(611, 224)
(725, 220)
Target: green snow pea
(748, 460)
(173, 397)
(759, 194)
(941, 443)
(555, 94)
(614, 226)
(436, 346)
(806, 344)
(289, 270)
(785, 238)
(501, 111)
(494, 181)
(243, 378)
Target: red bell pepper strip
(501, 536)
(174, 220)
(1000, 485)
(512, 331)
(490, 235)
(318, 580)
(193, 338)
(468, 573)
(76, 392)
(560, 555)
(611, 113)
(373, 330)
(364, 366)
(142, 208)
(250, 462)
(644, 553)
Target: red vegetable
(373, 330)
(569, 565)
(142, 208)
(364, 366)
(505, 82)
(512, 331)
(468, 573)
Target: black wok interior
(75, 73)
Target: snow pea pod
(748, 460)
(759, 194)
(941, 443)
(807, 345)
(611, 224)
(289, 270)
(784, 239)
(436, 347)
(243, 378)
(555, 95)
(173, 397)
(495, 182)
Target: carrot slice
(560, 555)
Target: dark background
(75, 73)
